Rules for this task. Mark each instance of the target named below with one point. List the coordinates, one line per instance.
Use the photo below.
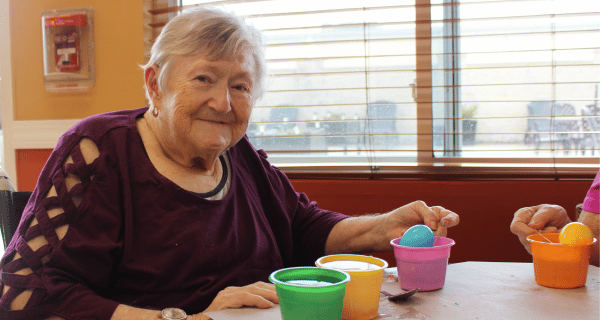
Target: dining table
(475, 290)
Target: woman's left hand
(259, 294)
(437, 218)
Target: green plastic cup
(310, 292)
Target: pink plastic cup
(422, 267)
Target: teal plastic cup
(310, 292)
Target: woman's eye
(241, 88)
(202, 79)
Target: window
(387, 88)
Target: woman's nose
(221, 99)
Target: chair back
(12, 204)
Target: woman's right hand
(259, 294)
(546, 218)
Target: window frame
(426, 165)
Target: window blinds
(425, 88)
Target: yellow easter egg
(575, 233)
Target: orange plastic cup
(361, 301)
(559, 265)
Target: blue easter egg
(418, 235)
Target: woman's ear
(151, 79)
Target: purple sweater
(139, 239)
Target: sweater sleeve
(309, 225)
(591, 202)
(61, 257)
(313, 225)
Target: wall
(486, 208)
(33, 118)
(118, 33)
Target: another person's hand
(259, 294)
(546, 218)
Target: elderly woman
(170, 206)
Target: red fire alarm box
(68, 49)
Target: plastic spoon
(402, 296)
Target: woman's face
(205, 105)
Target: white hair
(216, 33)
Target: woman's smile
(215, 122)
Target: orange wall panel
(30, 163)
(486, 208)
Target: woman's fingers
(199, 316)
(446, 217)
(437, 218)
(266, 291)
(446, 220)
(427, 214)
(247, 299)
(260, 295)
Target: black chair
(12, 204)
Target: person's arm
(592, 220)
(374, 232)
(40, 277)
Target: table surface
(477, 290)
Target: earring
(155, 112)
